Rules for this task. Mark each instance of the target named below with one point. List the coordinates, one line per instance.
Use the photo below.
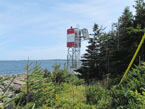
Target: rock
(2, 87)
(1, 90)
(5, 83)
(15, 87)
(19, 82)
(10, 94)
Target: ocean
(18, 66)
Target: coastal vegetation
(103, 65)
(63, 90)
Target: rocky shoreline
(15, 86)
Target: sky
(37, 28)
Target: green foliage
(117, 47)
(37, 69)
(135, 78)
(81, 105)
(122, 98)
(58, 76)
(56, 67)
(46, 73)
(99, 96)
(65, 104)
(73, 79)
(72, 97)
(140, 13)
(124, 45)
(3, 96)
(44, 87)
(127, 94)
(140, 98)
(7, 101)
(65, 90)
(29, 105)
(45, 94)
(40, 91)
(91, 59)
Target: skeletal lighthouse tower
(74, 46)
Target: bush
(83, 106)
(135, 79)
(74, 80)
(56, 66)
(29, 105)
(40, 91)
(65, 104)
(46, 73)
(58, 76)
(122, 97)
(37, 69)
(98, 95)
(140, 98)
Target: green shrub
(58, 76)
(97, 95)
(37, 69)
(28, 105)
(39, 90)
(74, 80)
(81, 105)
(64, 104)
(140, 98)
(46, 73)
(4, 97)
(135, 79)
(123, 95)
(56, 66)
(122, 98)
(113, 81)
(41, 93)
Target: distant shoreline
(2, 74)
(39, 60)
(18, 66)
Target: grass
(72, 92)
(72, 97)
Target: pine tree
(139, 25)
(140, 14)
(91, 59)
(121, 45)
(116, 47)
(130, 34)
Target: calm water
(15, 67)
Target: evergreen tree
(116, 47)
(129, 32)
(122, 54)
(140, 14)
(91, 59)
(139, 25)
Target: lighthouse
(74, 37)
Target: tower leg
(73, 58)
